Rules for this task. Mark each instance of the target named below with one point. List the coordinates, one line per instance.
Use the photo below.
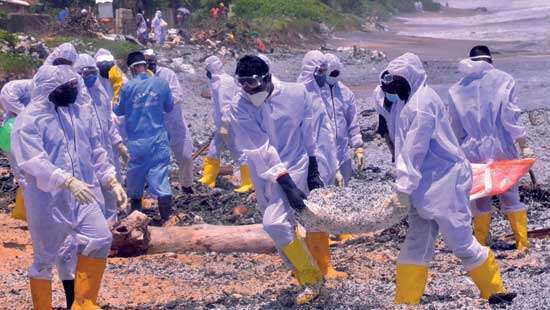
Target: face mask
(320, 79)
(393, 98)
(258, 99)
(89, 80)
(104, 68)
(152, 66)
(61, 61)
(64, 95)
(332, 80)
(209, 75)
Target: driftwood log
(133, 237)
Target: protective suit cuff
(274, 172)
(403, 189)
(58, 180)
(106, 180)
(356, 141)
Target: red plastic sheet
(498, 177)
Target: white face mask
(258, 99)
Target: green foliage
(119, 49)
(8, 37)
(305, 9)
(16, 63)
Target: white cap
(149, 52)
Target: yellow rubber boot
(246, 180)
(306, 270)
(487, 277)
(317, 243)
(410, 282)
(518, 221)
(19, 212)
(41, 291)
(211, 171)
(89, 272)
(482, 226)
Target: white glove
(403, 199)
(120, 194)
(123, 151)
(81, 191)
(339, 179)
(527, 152)
(360, 158)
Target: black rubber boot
(135, 204)
(165, 207)
(68, 285)
(502, 298)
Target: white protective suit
(323, 129)
(108, 132)
(181, 142)
(486, 122)
(66, 51)
(389, 112)
(14, 97)
(432, 169)
(50, 145)
(342, 110)
(156, 24)
(224, 89)
(276, 138)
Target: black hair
(481, 50)
(135, 57)
(251, 65)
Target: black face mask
(64, 95)
(104, 68)
(209, 75)
(61, 61)
(152, 66)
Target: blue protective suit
(50, 145)
(342, 110)
(108, 132)
(224, 89)
(143, 102)
(322, 125)
(276, 137)
(486, 121)
(432, 169)
(178, 131)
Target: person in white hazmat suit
(181, 142)
(434, 179)
(223, 89)
(318, 242)
(57, 147)
(159, 27)
(342, 110)
(103, 114)
(14, 97)
(486, 121)
(273, 124)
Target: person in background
(223, 89)
(433, 179)
(180, 136)
(486, 121)
(57, 148)
(273, 126)
(14, 97)
(108, 133)
(159, 26)
(144, 101)
(142, 29)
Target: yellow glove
(360, 158)
(403, 199)
(120, 194)
(123, 151)
(339, 179)
(82, 191)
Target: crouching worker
(272, 122)
(434, 179)
(58, 150)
